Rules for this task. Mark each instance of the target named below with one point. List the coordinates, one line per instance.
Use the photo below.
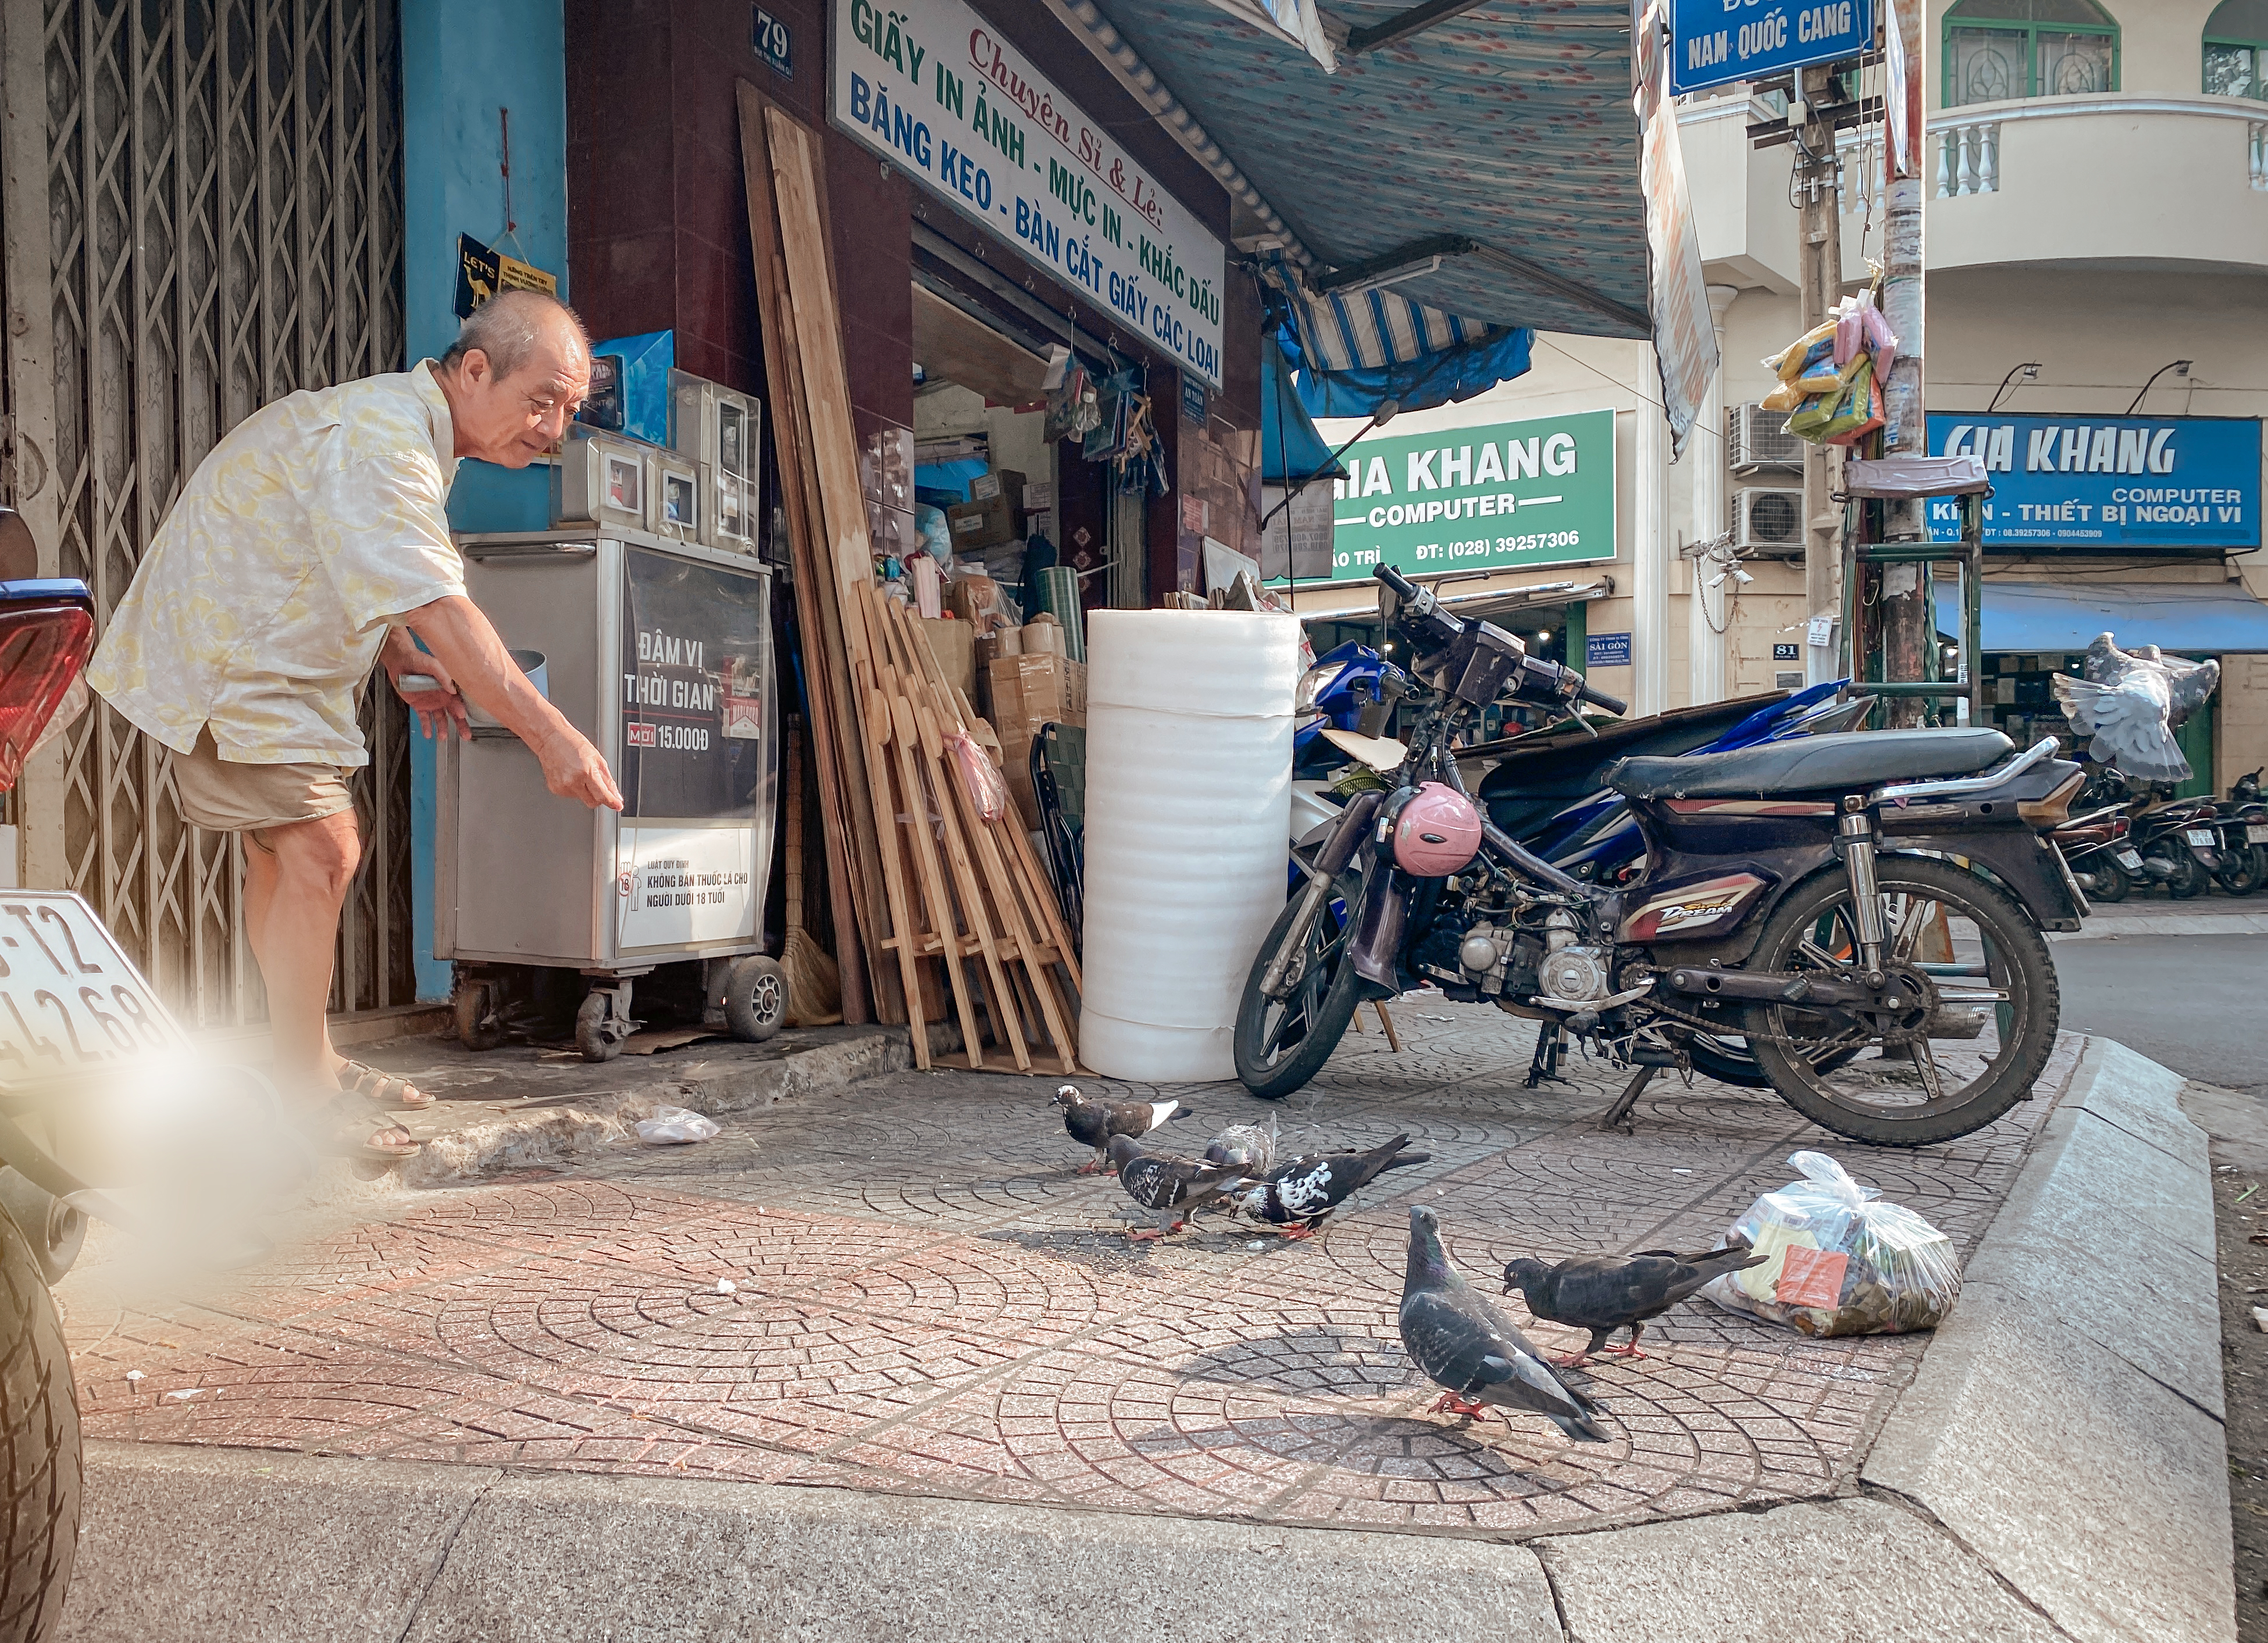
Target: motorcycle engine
(1574, 975)
(1499, 959)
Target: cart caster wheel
(756, 998)
(479, 1024)
(591, 1035)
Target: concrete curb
(533, 1136)
(200, 1543)
(2111, 929)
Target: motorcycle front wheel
(39, 1438)
(1914, 1082)
(1282, 1043)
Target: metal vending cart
(661, 651)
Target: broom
(815, 986)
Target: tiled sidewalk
(930, 1300)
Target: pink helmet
(1437, 833)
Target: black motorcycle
(1865, 910)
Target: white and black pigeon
(1092, 1123)
(1297, 1197)
(1605, 1292)
(2131, 702)
(1467, 1346)
(1171, 1186)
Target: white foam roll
(1188, 799)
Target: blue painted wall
(460, 63)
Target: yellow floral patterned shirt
(262, 602)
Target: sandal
(382, 1088)
(348, 1125)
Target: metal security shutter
(213, 221)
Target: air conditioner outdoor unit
(1768, 523)
(1756, 438)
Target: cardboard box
(953, 644)
(999, 482)
(1030, 691)
(992, 523)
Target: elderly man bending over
(312, 542)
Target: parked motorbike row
(2132, 836)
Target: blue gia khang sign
(943, 95)
(2107, 483)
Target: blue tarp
(1290, 449)
(1417, 384)
(2193, 618)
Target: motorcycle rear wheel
(1896, 1098)
(2189, 879)
(39, 1437)
(2246, 869)
(2111, 882)
(1280, 1044)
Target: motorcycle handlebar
(1600, 698)
(1409, 590)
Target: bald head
(514, 376)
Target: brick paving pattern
(930, 1300)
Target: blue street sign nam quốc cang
(1717, 42)
(2107, 483)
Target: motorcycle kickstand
(1618, 1117)
(1543, 1066)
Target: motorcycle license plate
(2204, 838)
(2256, 833)
(2130, 860)
(71, 1000)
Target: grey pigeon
(1092, 1123)
(1247, 1145)
(1171, 1186)
(2131, 702)
(1465, 1345)
(1603, 1293)
(1297, 1197)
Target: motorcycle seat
(1841, 763)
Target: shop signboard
(2107, 483)
(945, 95)
(1715, 42)
(1504, 496)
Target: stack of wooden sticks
(926, 872)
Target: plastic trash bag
(675, 1126)
(1843, 1261)
(980, 777)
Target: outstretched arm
(473, 655)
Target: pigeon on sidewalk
(1467, 1346)
(1603, 1293)
(2130, 704)
(1171, 1186)
(1297, 1197)
(1092, 1123)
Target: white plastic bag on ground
(673, 1126)
(1843, 1261)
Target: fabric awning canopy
(1485, 167)
(2191, 618)
(1290, 449)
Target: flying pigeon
(2131, 702)
(1171, 1186)
(1602, 1293)
(1092, 1123)
(1299, 1196)
(1465, 1345)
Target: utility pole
(1908, 628)
(1821, 226)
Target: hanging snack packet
(1843, 1262)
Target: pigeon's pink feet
(1151, 1235)
(1301, 1231)
(1090, 1168)
(1629, 1351)
(1450, 1404)
(1575, 1360)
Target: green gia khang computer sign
(1504, 496)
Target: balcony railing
(1967, 157)
(2257, 155)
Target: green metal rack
(1860, 647)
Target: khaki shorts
(230, 798)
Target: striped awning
(1371, 329)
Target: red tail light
(43, 649)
